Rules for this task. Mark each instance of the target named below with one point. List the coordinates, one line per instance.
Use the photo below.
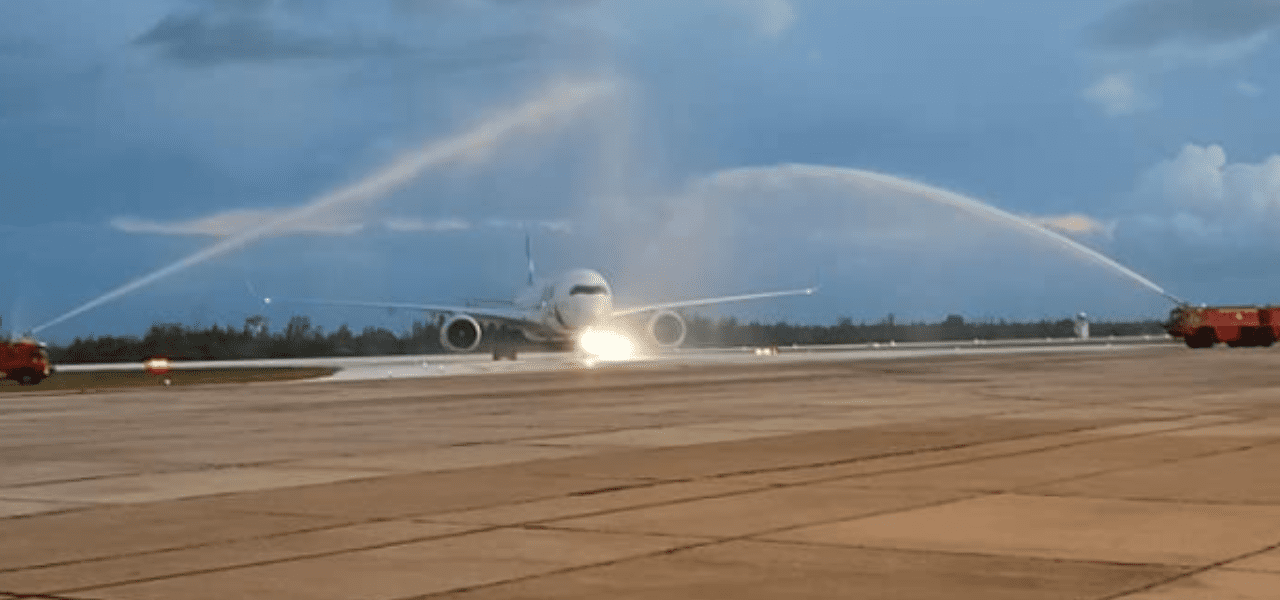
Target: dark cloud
(240, 5)
(203, 40)
(1147, 23)
(421, 7)
(495, 50)
(257, 7)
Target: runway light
(606, 345)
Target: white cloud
(1191, 181)
(1200, 195)
(768, 18)
(1175, 55)
(1074, 223)
(1117, 95)
(549, 226)
(234, 222)
(772, 17)
(237, 221)
(403, 225)
(1248, 89)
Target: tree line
(299, 339)
(729, 332)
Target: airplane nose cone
(587, 312)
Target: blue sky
(134, 135)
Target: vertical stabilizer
(528, 254)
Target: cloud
(1151, 38)
(549, 226)
(1248, 89)
(233, 222)
(437, 5)
(1074, 224)
(1116, 95)
(771, 18)
(204, 39)
(1191, 181)
(404, 225)
(1146, 24)
(240, 5)
(251, 31)
(1199, 195)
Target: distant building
(1082, 326)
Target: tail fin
(528, 254)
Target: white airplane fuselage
(568, 304)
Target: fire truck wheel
(1248, 338)
(500, 353)
(27, 377)
(1202, 338)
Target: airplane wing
(622, 312)
(510, 315)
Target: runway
(1134, 471)
(443, 365)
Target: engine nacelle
(460, 333)
(667, 328)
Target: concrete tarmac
(1136, 473)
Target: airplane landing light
(606, 345)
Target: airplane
(567, 309)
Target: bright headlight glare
(606, 345)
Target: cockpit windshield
(588, 290)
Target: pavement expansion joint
(276, 561)
(544, 526)
(953, 552)
(562, 571)
(1151, 499)
(620, 488)
(997, 455)
(540, 523)
(897, 454)
(166, 550)
(16, 596)
(706, 542)
(1192, 573)
(25, 484)
(1164, 461)
(61, 511)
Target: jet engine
(667, 328)
(460, 333)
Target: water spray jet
(562, 100)
(949, 198)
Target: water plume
(561, 101)
(752, 175)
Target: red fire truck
(24, 361)
(1204, 326)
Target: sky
(681, 148)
